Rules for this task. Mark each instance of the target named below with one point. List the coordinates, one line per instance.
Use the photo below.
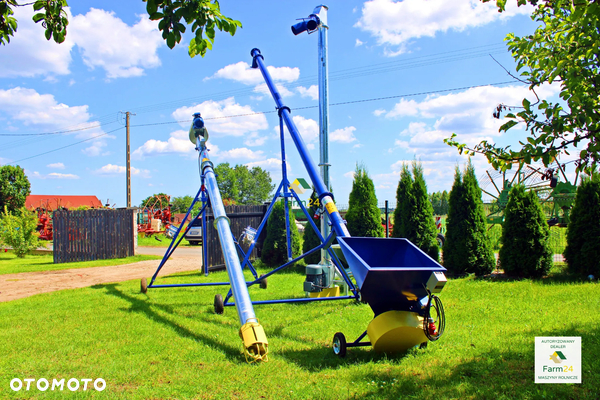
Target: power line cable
(69, 145)
(273, 111)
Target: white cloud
(57, 165)
(358, 43)
(56, 175)
(111, 169)
(395, 23)
(52, 175)
(468, 114)
(31, 108)
(103, 39)
(45, 113)
(283, 91)
(349, 174)
(109, 43)
(95, 149)
(237, 126)
(308, 128)
(240, 154)
(30, 54)
(344, 135)
(178, 143)
(244, 73)
(377, 113)
(255, 139)
(271, 165)
(312, 92)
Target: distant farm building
(51, 202)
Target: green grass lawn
(170, 344)
(151, 241)
(11, 264)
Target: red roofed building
(53, 202)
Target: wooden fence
(240, 217)
(86, 235)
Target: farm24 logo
(558, 357)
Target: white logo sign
(558, 359)
(43, 384)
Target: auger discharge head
(198, 130)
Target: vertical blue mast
(325, 197)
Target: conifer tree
(525, 251)
(423, 230)
(402, 225)
(454, 252)
(444, 203)
(363, 216)
(311, 240)
(481, 259)
(467, 248)
(274, 251)
(583, 236)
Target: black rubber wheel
(339, 344)
(263, 282)
(440, 240)
(143, 285)
(219, 305)
(423, 345)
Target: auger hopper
(391, 273)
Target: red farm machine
(155, 217)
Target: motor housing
(317, 278)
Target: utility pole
(128, 162)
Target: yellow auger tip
(256, 346)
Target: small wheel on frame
(143, 285)
(339, 344)
(219, 305)
(263, 282)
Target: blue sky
(114, 60)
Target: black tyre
(440, 240)
(143, 285)
(219, 305)
(263, 282)
(339, 344)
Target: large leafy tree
(363, 216)
(562, 50)
(14, 187)
(243, 185)
(159, 200)
(175, 16)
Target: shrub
(467, 248)
(19, 231)
(363, 216)
(525, 251)
(274, 251)
(583, 235)
(311, 240)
